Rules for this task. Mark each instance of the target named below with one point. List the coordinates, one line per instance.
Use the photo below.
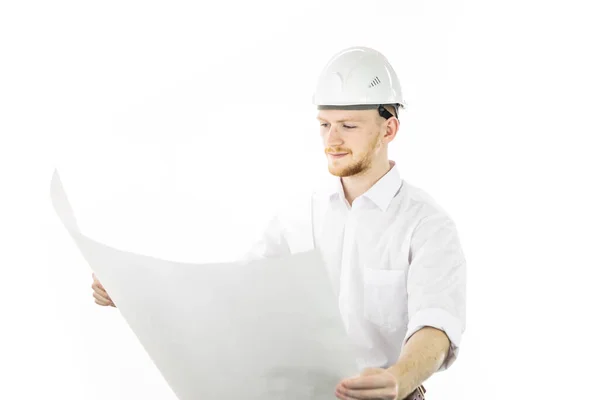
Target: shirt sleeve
(436, 282)
(272, 242)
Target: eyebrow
(342, 120)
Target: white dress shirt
(394, 258)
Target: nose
(332, 137)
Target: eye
(324, 124)
(349, 127)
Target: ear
(391, 128)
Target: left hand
(372, 383)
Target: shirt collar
(381, 193)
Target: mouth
(337, 155)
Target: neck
(357, 185)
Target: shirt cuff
(442, 320)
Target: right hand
(100, 296)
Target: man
(392, 253)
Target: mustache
(337, 150)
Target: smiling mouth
(337, 155)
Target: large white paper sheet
(268, 329)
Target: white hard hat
(358, 78)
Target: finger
(342, 396)
(385, 393)
(102, 300)
(104, 304)
(100, 290)
(102, 297)
(97, 284)
(95, 277)
(102, 293)
(367, 382)
(339, 391)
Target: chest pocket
(384, 292)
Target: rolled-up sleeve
(436, 282)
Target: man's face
(352, 139)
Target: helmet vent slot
(374, 82)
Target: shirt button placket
(348, 254)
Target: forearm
(422, 356)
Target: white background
(177, 127)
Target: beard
(349, 166)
